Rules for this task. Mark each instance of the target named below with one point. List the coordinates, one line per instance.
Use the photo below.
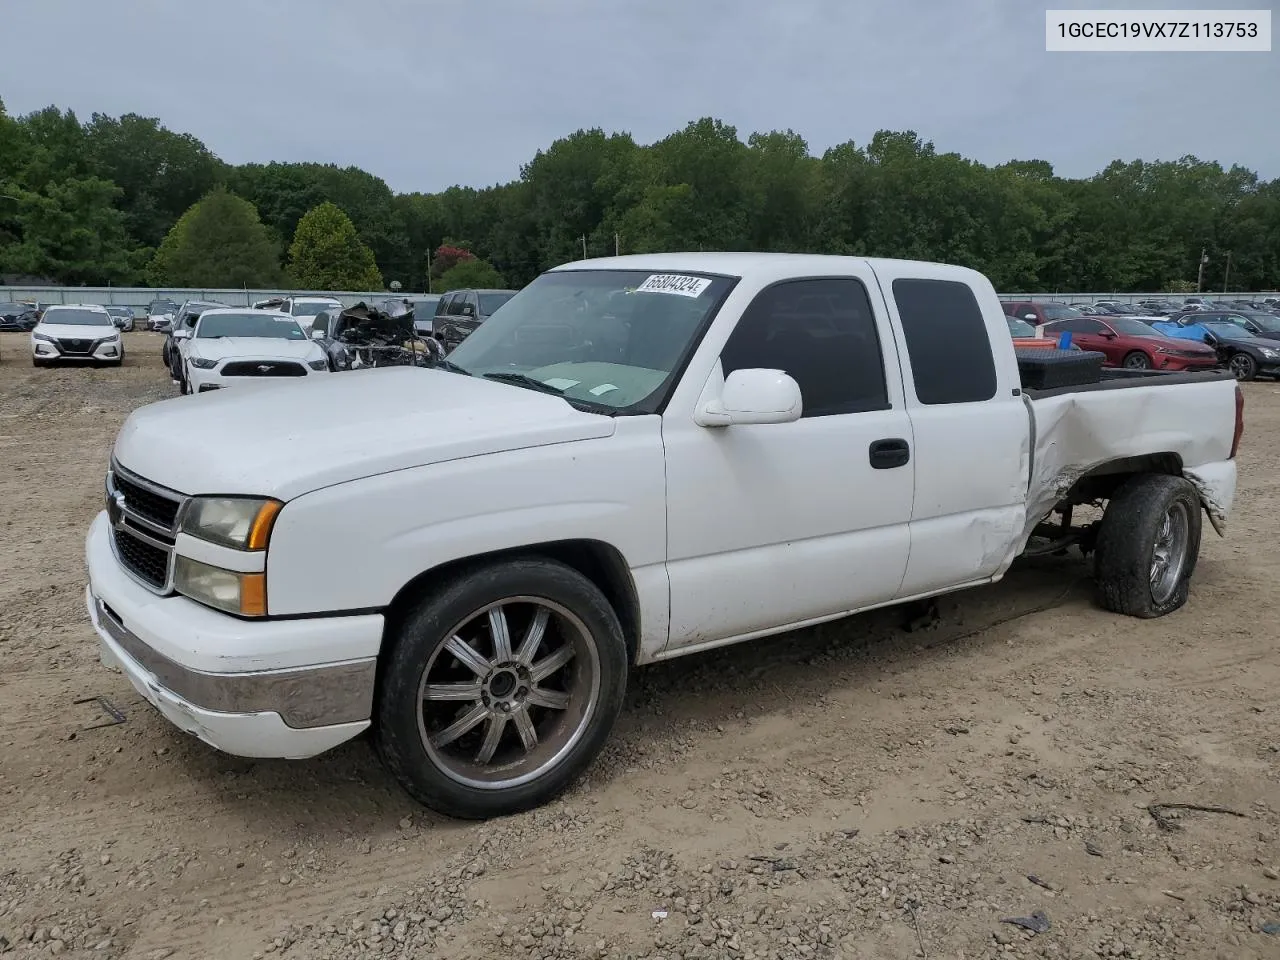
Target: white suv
(81, 332)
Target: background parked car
(323, 330)
(1128, 342)
(306, 308)
(160, 314)
(460, 312)
(16, 317)
(81, 332)
(122, 317)
(1245, 355)
(181, 326)
(1038, 314)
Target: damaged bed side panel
(1077, 433)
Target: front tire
(1243, 366)
(500, 688)
(1148, 544)
(1136, 361)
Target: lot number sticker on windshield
(674, 283)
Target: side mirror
(181, 334)
(753, 396)
(317, 333)
(1029, 316)
(468, 310)
(1107, 335)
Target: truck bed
(1174, 421)
(1118, 378)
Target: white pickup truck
(637, 458)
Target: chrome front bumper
(308, 697)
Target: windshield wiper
(443, 364)
(524, 380)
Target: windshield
(1059, 311)
(312, 308)
(490, 302)
(120, 311)
(609, 338)
(1230, 331)
(161, 306)
(1128, 327)
(1121, 308)
(77, 318)
(249, 325)
(1267, 321)
(1020, 328)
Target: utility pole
(584, 246)
(1226, 277)
(1204, 258)
(428, 271)
(616, 244)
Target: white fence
(139, 297)
(1136, 297)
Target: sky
(428, 94)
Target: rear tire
(1148, 544)
(514, 722)
(1243, 366)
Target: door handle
(889, 453)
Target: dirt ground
(854, 791)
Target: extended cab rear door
(971, 427)
(777, 524)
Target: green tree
(69, 232)
(471, 275)
(327, 254)
(161, 173)
(218, 242)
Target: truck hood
(310, 433)
(255, 348)
(76, 331)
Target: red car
(1130, 343)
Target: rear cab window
(947, 341)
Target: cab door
(773, 525)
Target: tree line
(127, 201)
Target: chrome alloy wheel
(509, 693)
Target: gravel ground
(852, 791)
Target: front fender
(353, 546)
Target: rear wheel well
(1104, 480)
(596, 560)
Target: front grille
(146, 504)
(264, 368)
(146, 562)
(144, 522)
(76, 345)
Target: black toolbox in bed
(1048, 368)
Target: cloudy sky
(427, 93)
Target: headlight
(41, 336)
(242, 523)
(1269, 354)
(203, 364)
(318, 364)
(244, 594)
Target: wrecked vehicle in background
(364, 336)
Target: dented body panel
(1079, 433)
